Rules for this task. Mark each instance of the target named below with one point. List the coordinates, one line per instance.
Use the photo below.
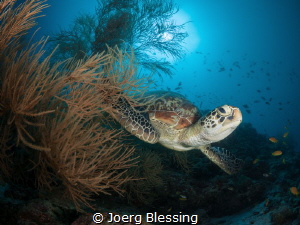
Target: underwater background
(240, 53)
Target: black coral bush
(145, 26)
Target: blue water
(263, 37)
(242, 53)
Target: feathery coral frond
(16, 21)
(58, 109)
(84, 155)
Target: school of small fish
(274, 140)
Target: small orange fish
(255, 161)
(286, 134)
(272, 139)
(277, 153)
(294, 191)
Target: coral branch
(60, 109)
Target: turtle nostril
(232, 116)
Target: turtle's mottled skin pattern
(176, 123)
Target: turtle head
(220, 122)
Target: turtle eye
(222, 110)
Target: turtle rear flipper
(134, 121)
(223, 158)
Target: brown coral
(56, 113)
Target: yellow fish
(277, 153)
(272, 139)
(255, 161)
(294, 191)
(286, 134)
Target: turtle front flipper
(134, 121)
(220, 156)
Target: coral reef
(148, 178)
(284, 215)
(61, 151)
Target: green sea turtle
(173, 121)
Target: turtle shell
(172, 109)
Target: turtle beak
(236, 114)
(235, 118)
